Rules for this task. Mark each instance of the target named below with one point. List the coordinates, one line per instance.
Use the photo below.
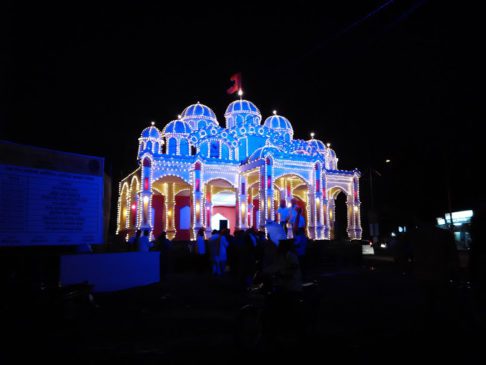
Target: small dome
(317, 144)
(151, 132)
(279, 124)
(199, 111)
(177, 127)
(242, 106)
(263, 151)
(331, 153)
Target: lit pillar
(269, 205)
(242, 207)
(332, 217)
(198, 208)
(318, 202)
(354, 211)
(171, 230)
(350, 222)
(311, 215)
(325, 209)
(288, 191)
(209, 210)
(250, 209)
(144, 215)
(262, 196)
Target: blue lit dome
(199, 116)
(317, 144)
(279, 124)
(331, 153)
(151, 132)
(177, 127)
(242, 106)
(242, 112)
(264, 151)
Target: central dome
(242, 106)
(241, 112)
(199, 116)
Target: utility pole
(372, 216)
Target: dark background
(377, 79)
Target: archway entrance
(338, 221)
(220, 205)
(171, 208)
(292, 186)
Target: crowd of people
(247, 255)
(425, 251)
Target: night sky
(379, 80)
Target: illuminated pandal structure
(194, 173)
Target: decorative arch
(125, 188)
(137, 182)
(172, 146)
(334, 191)
(123, 207)
(289, 174)
(201, 124)
(338, 213)
(222, 179)
(184, 149)
(169, 175)
(225, 151)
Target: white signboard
(47, 207)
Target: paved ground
(368, 313)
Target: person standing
(217, 250)
(223, 251)
(143, 244)
(300, 238)
(283, 215)
(201, 255)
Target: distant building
(195, 173)
(461, 225)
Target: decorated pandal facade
(195, 173)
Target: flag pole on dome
(236, 87)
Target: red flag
(236, 79)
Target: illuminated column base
(354, 234)
(171, 230)
(311, 205)
(243, 214)
(354, 229)
(146, 216)
(209, 213)
(331, 219)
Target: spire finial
(274, 112)
(240, 93)
(312, 134)
(152, 122)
